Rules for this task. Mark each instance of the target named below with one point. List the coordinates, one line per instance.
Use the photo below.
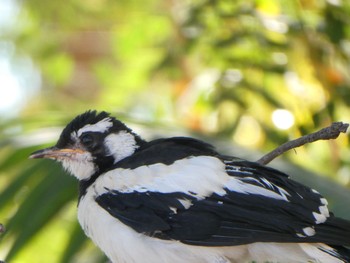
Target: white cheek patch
(120, 145)
(101, 126)
(81, 166)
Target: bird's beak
(55, 153)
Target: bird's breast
(124, 245)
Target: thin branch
(330, 132)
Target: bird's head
(92, 142)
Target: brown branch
(2, 229)
(330, 132)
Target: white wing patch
(323, 209)
(280, 193)
(186, 203)
(309, 231)
(236, 169)
(238, 185)
(320, 218)
(100, 126)
(266, 188)
(198, 176)
(272, 186)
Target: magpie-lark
(179, 200)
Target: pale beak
(55, 153)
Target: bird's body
(179, 200)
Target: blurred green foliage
(215, 67)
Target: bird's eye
(87, 139)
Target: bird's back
(179, 194)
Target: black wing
(233, 218)
(208, 223)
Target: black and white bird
(179, 200)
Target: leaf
(43, 203)
(75, 243)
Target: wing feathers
(270, 208)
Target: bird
(178, 199)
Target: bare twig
(330, 132)
(2, 229)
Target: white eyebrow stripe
(100, 126)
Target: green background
(217, 70)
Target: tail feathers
(344, 252)
(335, 232)
(338, 252)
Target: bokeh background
(246, 75)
